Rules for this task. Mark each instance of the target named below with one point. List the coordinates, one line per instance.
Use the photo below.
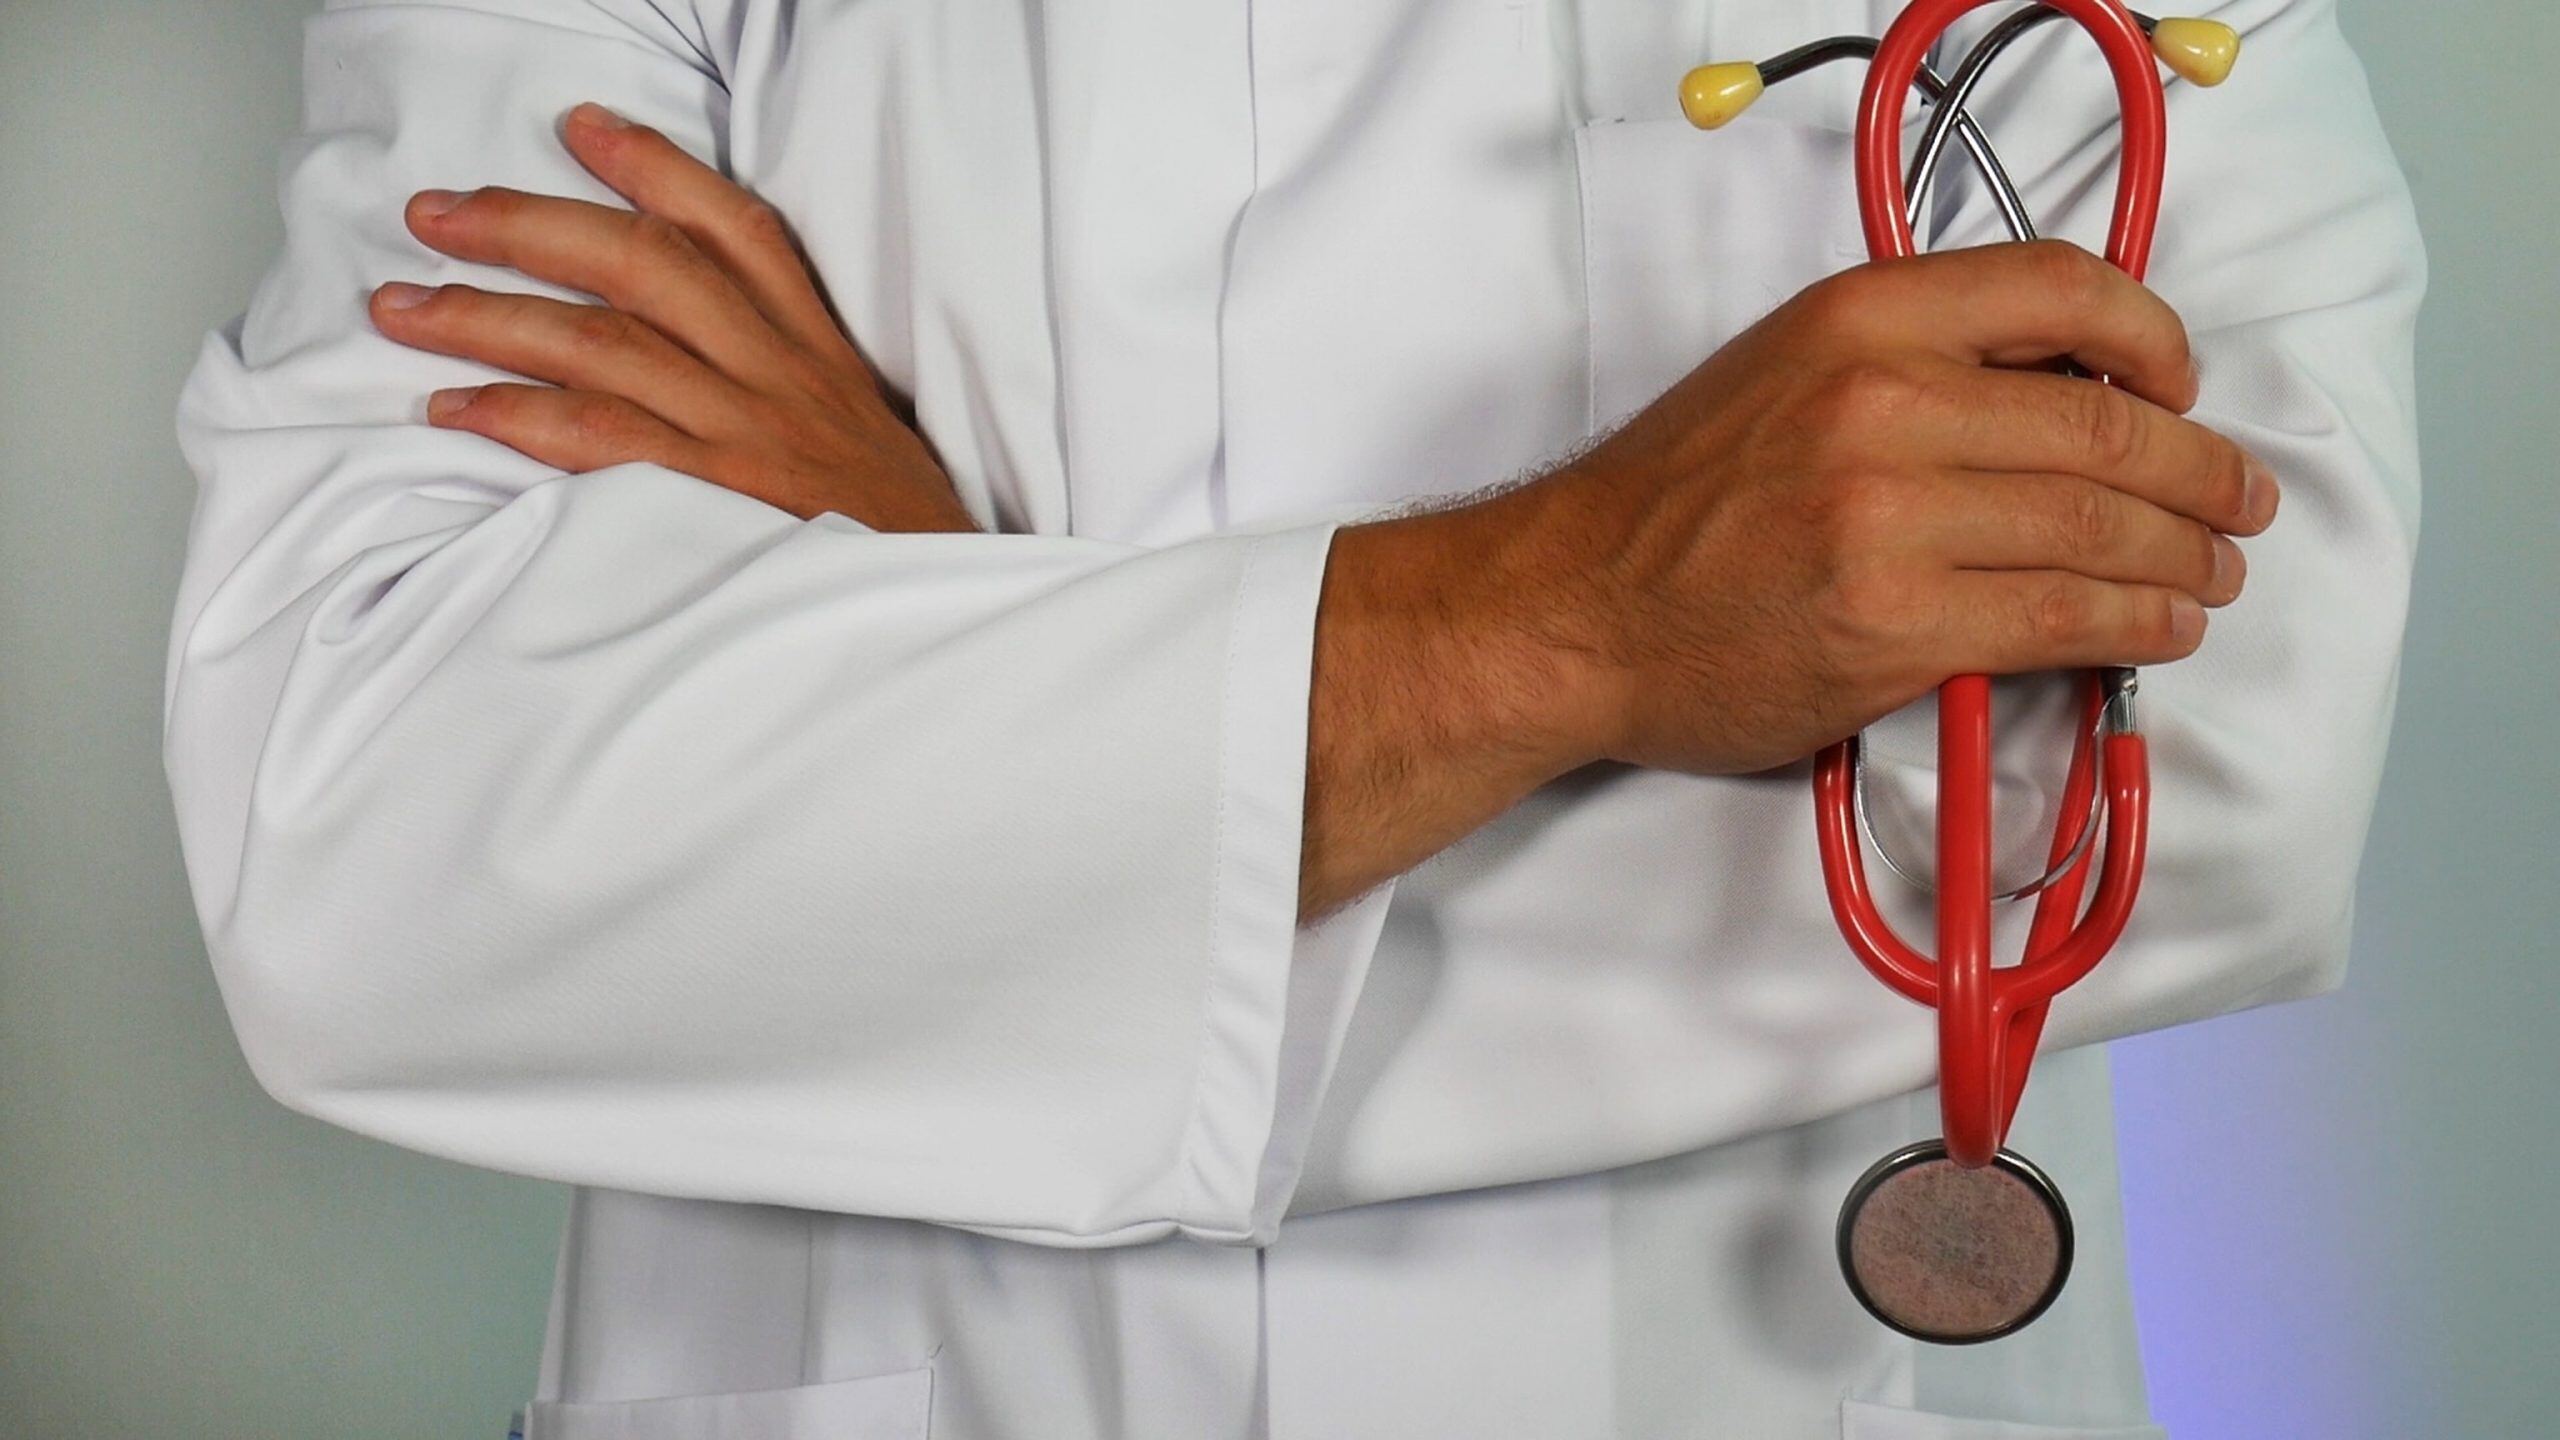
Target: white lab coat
(892, 936)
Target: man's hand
(712, 353)
(1851, 501)
(1856, 498)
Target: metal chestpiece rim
(1934, 1151)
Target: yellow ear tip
(1713, 94)
(2200, 51)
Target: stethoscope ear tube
(1904, 49)
(1989, 1022)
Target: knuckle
(1838, 301)
(775, 424)
(806, 374)
(2068, 274)
(2085, 523)
(599, 327)
(659, 244)
(760, 223)
(498, 404)
(654, 231)
(597, 421)
(1863, 510)
(493, 202)
(2059, 612)
(508, 410)
(1864, 397)
(2110, 433)
(787, 428)
(1872, 608)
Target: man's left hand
(712, 353)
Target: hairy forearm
(1443, 690)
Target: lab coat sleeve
(617, 829)
(2288, 243)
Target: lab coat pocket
(1864, 1420)
(1689, 236)
(896, 1406)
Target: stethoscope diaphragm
(1952, 1254)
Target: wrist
(1539, 557)
(1490, 605)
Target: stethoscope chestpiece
(1951, 1254)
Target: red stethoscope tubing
(1989, 1020)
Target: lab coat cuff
(1277, 996)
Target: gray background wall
(2340, 1207)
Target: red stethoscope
(1960, 1239)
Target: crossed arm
(715, 824)
(1858, 497)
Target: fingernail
(2186, 619)
(401, 295)
(588, 112)
(2229, 569)
(432, 203)
(2261, 495)
(445, 404)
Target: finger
(573, 430)
(747, 236)
(639, 264)
(2064, 522)
(2028, 421)
(2008, 622)
(2020, 303)
(568, 343)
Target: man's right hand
(1852, 501)
(1855, 499)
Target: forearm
(1446, 687)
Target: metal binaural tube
(1986, 161)
(1959, 89)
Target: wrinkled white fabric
(842, 911)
